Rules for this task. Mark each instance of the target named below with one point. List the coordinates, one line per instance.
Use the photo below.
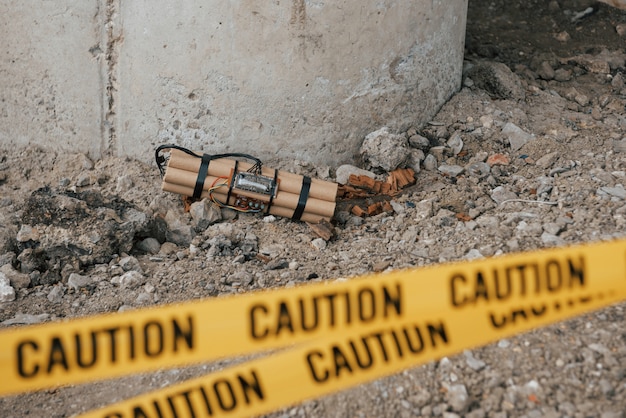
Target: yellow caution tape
(401, 319)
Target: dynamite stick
(222, 195)
(282, 199)
(222, 167)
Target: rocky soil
(531, 153)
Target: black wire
(160, 159)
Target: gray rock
(451, 170)
(7, 258)
(547, 160)
(77, 281)
(419, 142)
(130, 263)
(319, 244)
(382, 149)
(397, 206)
(552, 228)
(502, 194)
(149, 245)
(430, 163)
(517, 137)
(457, 397)
(241, 277)
(545, 71)
(424, 209)
(414, 161)
(343, 173)
(548, 238)
(56, 294)
(277, 264)
(455, 143)
(472, 362)
(562, 74)
(132, 280)
(143, 298)
(84, 179)
(26, 319)
(7, 293)
(497, 79)
(617, 191)
(27, 233)
(204, 213)
(619, 145)
(478, 169)
(124, 183)
(16, 279)
(180, 235)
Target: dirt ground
(542, 164)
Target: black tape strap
(275, 191)
(232, 182)
(304, 196)
(204, 169)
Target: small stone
(56, 294)
(278, 264)
(547, 160)
(130, 263)
(545, 71)
(552, 228)
(319, 244)
(497, 80)
(563, 74)
(430, 163)
(269, 219)
(26, 319)
(458, 398)
(619, 145)
(504, 343)
(472, 362)
(478, 169)
(204, 213)
(414, 160)
(27, 233)
(517, 137)
(419, 142)
(581, 99)
(124, 183)
(143, 298)
(562, 36)
(77, 281)
(486, 121)
(16, 279)
(84, 179)
(621, 29)
(343, 173)
(498, 159)
(551, 239)
(451, 170)
(149, 245)
(617, 191)
(7, 293)
(131, 280)
(423, 210)
(501, 194)
(455, 143)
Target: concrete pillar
(51, 79)
(299, 79)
